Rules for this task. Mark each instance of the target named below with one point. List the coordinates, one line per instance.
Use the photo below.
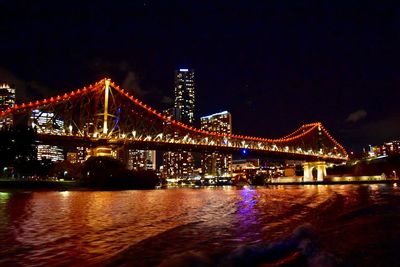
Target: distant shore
(78, 186)
(39, 185)
(58, 185)
(336, 182)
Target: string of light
(100, 85)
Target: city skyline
(273, 66)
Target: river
(313, 225)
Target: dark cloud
(383, 130)
(373, 132)
(357, 116)
(131, 83)
(120, 70)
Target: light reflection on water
(76, 228)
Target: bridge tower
(106, 95)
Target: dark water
(336, 225)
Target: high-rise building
(176, 164)
(185, 95)
(216, 164)
(50, 152)
(7, 100)
(141, 159)
(46, 122)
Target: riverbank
(373, 179)
(337, 182)
(78, 186)
(64, 186)
(40, 185)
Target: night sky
(273, 64)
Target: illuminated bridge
(105, 115)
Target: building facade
(184, 99)
(141, 159)
(50, 152)
(48, 123)
(180, 164)
(216, 164)
(7, 100)
(387, 149)
(176, 164)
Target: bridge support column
(308, 177)
(321, 171)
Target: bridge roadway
(75, 141)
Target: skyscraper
(180, 164)
(176, 164)
(7, 100)
(216, 164)
(185, 95)
(141, 159)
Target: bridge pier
(308, 168)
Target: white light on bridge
(160, 135)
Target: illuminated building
(387, 149)
(176, 164)
(180, 164)
(216, 164)
(390, 148)
(7, 100)
(102, 151)
(245, 164)
(53, 153)
(48, 123)
(141, 159)
(78, 155)
(184, 95)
